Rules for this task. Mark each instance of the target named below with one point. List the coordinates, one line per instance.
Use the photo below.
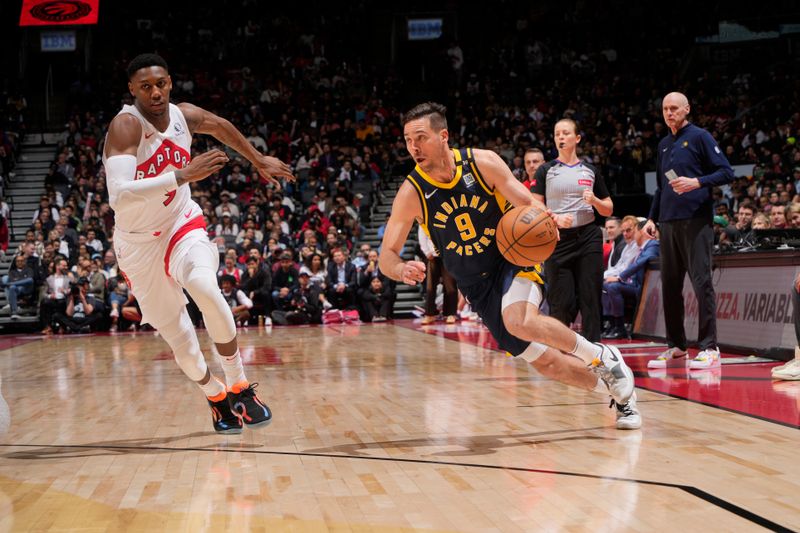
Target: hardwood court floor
(376, 428)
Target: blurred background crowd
(324, 88)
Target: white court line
(641, 345)
(748, 359)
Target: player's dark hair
(146, 60)
(435, 112)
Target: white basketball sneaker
(784, 366)
(788, 364)
(708, 358)
(628, 416)
(789, 372)
(617, 375)
(669, 358)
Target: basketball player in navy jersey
(458, 196)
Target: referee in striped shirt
(573, 190)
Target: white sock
(232, 366)
(585, 350)
(213, 388)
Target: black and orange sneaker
(225, 420)
(249, 407)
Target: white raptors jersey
(158, 154)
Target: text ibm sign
(58, 41)
(424, 29)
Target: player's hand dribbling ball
(526, 236)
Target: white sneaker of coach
(669, 358)
(708, 358)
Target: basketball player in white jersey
(160, 238)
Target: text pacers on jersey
(459, 209)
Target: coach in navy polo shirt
(689, 165)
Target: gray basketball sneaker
(617, 376)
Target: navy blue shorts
(486, 299)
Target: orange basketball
(526, 236)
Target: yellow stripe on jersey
(426, 230)
(439, 184)
(478, 174)
(421, 200)
(504, 204)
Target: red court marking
(11, 341)
(742, 388)
(261, 355)
(251, 356)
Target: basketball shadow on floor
(145, 446)
(474, 445)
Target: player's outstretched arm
(405, 209)
(122, 143)
(496, 173)
(202, 121)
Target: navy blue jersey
(461, 218)
(694, 153)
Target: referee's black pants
(686, 247)
(574, 273)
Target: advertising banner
(754, 307)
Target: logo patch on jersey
(178, 129)
(469, 179)
(685, 144)
(716, 149)
(168, 154)
(587, 183)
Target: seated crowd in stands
(315, 102)
(276, 261)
